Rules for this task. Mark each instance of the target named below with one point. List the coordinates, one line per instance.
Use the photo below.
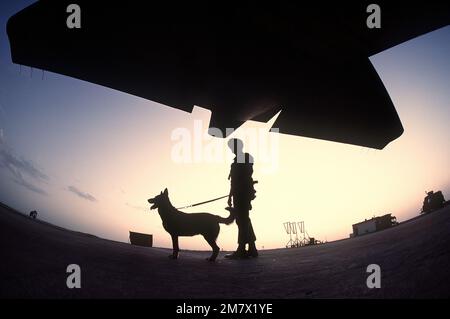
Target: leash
(208, 201)
(201, 203)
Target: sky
(88, 157)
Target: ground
(414, 258)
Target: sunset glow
(102, 153)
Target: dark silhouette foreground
(413, 257)
(177, 224)
(240, 197)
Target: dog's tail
(226, 220)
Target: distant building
(140, 239)
(373, 225)
(433, 201)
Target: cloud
(19, 166)
(81, 194)
(22, 182)
(21, 169)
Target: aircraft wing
(243, 62)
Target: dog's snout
(153, 202)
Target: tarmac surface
(414, 258)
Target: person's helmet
(235, 145)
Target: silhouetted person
(33, 214)
(241, 194)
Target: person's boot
(252, 251)
(238, 254)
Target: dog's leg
(176, 249)
(216, 249)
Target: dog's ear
(166, 192)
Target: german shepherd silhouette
(177, 223)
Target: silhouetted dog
(177, 223)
